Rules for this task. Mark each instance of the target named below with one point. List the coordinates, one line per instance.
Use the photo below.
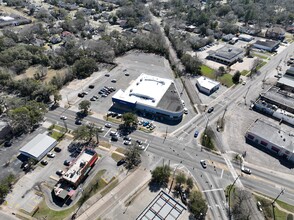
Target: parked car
(81, 95)
(100, 92)
(103, 95)
(67, 163)
(139, 142)
(44, 162)
(51, 155)
(107, 75)
(85, 93)
(121, 162)
(60, 172)
(57, 149)
(113, 80)
(100, 129)
(210, 109)
(196, 134)
(259, 206)
(91, 86)
(127, 138)
(114, 138)
(113, 133)
(127, 142)
(93, 99)
(185, 111)
(107, 125)
(63, 117)
(95, 96)
(203, 163)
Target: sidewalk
(118, 195)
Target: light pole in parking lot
(246, 94)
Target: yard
(225, 79)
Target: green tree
(23, 118)
(190, 182)
(192, 64)
(84, 106)
(132, 157)
(84, 67)
(130, 119)
(57, 97)
(197, 205)
(236, 77)
(160, 175)
(180, 178)
(82, 133)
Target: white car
(127, 142)
(244, 83)
(63, 117)
(107, 125)
(51, 155)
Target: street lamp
(171, 185)
(229, 195)
(282, 192)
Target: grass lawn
(96, 184)
(114, 120)
(57, 135)
(207, 71)
(105, 144)
(59, 128)
(116, 157)
(120, 150)
(261, 65)
(244, 72)
(226, 80)
(113, 183)
(286, 206)
(146, 130)
(45, 212)
(260, 56)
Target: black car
(57, 149)
(121, 162)
(78, 122)
(91, 86)
(210, 109)
(7, 143)
(81, 95)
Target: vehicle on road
(127, 74)
(57, 149)
(196, 134)
(91, 86)
(113, 80)
(44, 162)
(185, 111)
(78, 122)
(210, 109)
(107, 75)
(244, 83)
(60, 172)
(63, 117)
(8, 143)
(108, 125)
(246, 170)
(203, 163)
(51, 155)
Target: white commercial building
(151, 94)
(206, 85)
(38, 147)
(271, 137)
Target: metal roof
(38, 145)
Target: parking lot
(129, 68)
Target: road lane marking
(222, 173)
(146, 147)
(211, 190)
(107, 132)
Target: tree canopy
(160, 175)
(84, 106)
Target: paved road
(6, 216)
(189, 154)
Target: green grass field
(225, 79)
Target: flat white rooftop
(207, 83)
(6, 18)
(146, 89)
(76, 170)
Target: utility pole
(229, 196)
(282, 192)
(263, 81)
(171, 185)
(246, 95)
(65, 125)
(165, 135)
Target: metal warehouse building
(151, 94)
(206, 85)
(38, 147)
